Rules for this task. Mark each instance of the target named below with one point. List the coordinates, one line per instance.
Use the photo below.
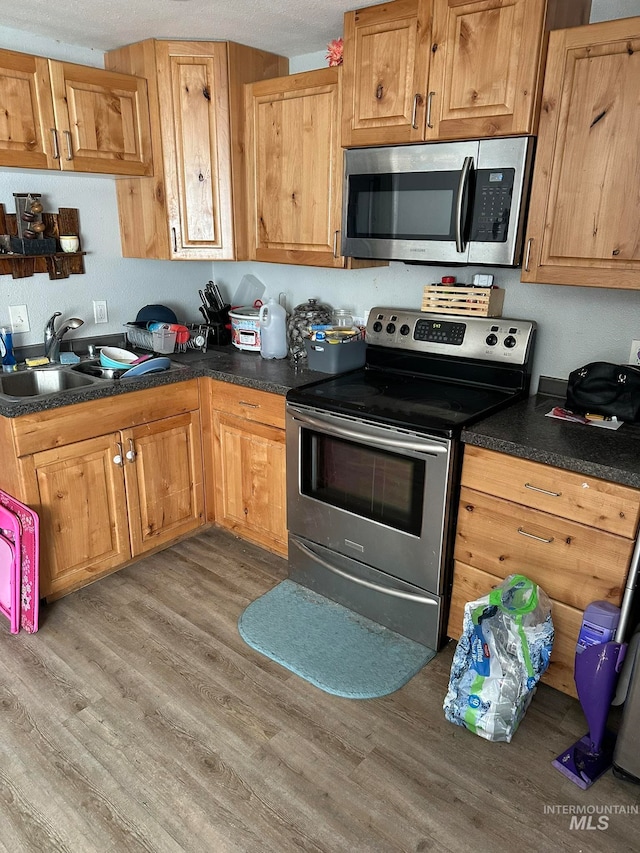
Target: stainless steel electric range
(373, 459)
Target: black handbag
(605, 389)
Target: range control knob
(510, 342)
(404, 329)
(491, 340)
(391, 328)
(377, 326)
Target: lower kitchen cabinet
(110, 479)
(246, 430)
(571, 534)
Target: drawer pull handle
(533, 536)
(56, 144)
(117, 459)
(250, 405)
(131, 452)
(544, 491)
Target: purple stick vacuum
(596, 671)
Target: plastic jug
(273, 330)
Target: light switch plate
(19, 318)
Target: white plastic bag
(503, 651)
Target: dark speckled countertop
(225, 363)
(523, 430)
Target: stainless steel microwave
(438, 202)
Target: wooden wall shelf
(57, 265)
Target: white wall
(576, 324)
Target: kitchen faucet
(53, 338)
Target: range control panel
(486, 338)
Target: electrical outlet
(100, 311)
(19, 318)
(634, 353)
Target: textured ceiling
(288, 27)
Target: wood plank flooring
(137, 719)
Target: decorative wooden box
(476, 301)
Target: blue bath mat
(329, 645)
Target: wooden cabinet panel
(597, 503)
(386, 62)
(419, 70)
(251, 493)
(249, 404)
(194, 206)
(58, 115)
(163, 475)
(573, 563)
(587, 149)
(102, 120)
(470, 584)
(26, 112)
(83, 513)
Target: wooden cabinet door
(250, 484)
(386, 63)
(26, 112)
(294, 162)
(193, 96)
(83, 512)
(163, 473)
(485, 68)
(102, 119)
(583, 225)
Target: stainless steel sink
(94, 368)
(37, 383)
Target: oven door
(370, 492)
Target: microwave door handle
(463, 187)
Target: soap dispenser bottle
(9, 363)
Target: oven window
(377, 484)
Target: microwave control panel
(492, 205)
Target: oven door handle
(396, 593)
(396, 443)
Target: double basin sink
(39, 382)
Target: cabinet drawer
(470, 584)
(597, 503)
(247, 403)
(573, 563)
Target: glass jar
(305, 315)
(342, 318)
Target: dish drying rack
(199, 337)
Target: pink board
(28, 598)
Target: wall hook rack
(57, 264)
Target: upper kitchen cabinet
(193, 207)
(583, 220)
(58, 115)
(422, 70)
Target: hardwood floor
(137, 719)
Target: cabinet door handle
(544, 491)
(250, 405)
(335, 244)
(429, 101)
(56, 145)
(67, 134)
(175, 240)
(527, 256)
(533, 536)
(117, 459)
(131, 452)
(417, 102)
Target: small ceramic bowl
(116, 357)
